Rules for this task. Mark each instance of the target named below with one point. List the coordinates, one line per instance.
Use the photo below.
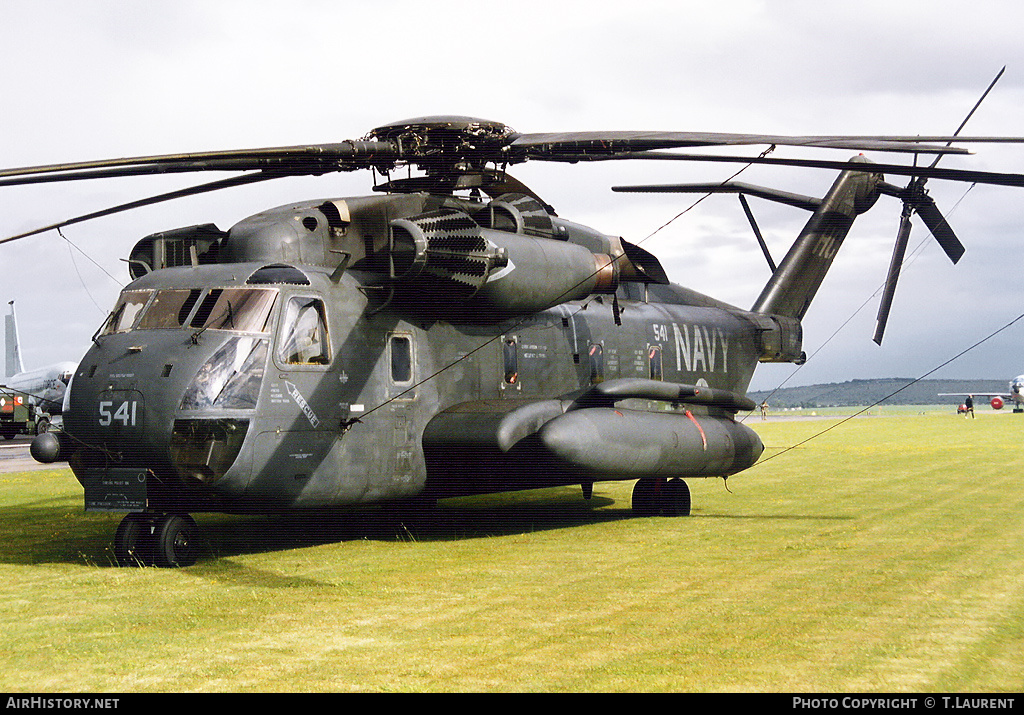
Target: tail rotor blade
(936, 223)
(898, 253)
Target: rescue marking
(303, 405)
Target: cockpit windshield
(170, 309)
(245, 310)
(126, 310)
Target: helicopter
(447, 335)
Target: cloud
(105, 79)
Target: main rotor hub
(440, 143)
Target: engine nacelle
(446, 265)
(997, 403)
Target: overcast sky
(108, 79)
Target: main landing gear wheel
(654, 495)
(645, 496)
(175, 541)
(166, 540)
(675, 498)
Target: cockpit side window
(127, 309)
(304, 339)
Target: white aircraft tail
(12, 347)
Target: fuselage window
(654, 358)
(596, 363)
(401, 359)
(304, 339)
(510, 358)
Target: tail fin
(12, 350)
(794, 283)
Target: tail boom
(796, 281)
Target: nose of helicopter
(183, 417)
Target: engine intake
(444, 247)
(447, 265)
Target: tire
(131, 541)
(175, 541)
(675, 498)
(645, 497)
(42, 426)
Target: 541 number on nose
(126, 413)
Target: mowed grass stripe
(941, 546)
(884, 555)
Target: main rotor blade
(181, 193)
(553, 146)
(974, 108)
(113, 172)
(978, 177)
(936, 223)
(898, 253)
(351, 155)
(292, 160)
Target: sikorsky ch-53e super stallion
(430, 340)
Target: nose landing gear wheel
(175, 541)
(167, 540)
(130, 540)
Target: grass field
(885, 555)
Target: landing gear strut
(668, 497)
(166, 540)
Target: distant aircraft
(44, 387)
(999, 399)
